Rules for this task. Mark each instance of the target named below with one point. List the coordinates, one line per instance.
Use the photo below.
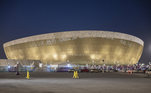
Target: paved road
(22, 75)
(63, 83)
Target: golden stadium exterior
(77, 47)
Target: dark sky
(21, 18)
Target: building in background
(77, 47)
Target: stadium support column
(17, 68)
(87, 65)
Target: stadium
(77, 47)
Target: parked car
(85, 70)
(94, 70)
(71, 70)
(62, 69)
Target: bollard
(28, 76)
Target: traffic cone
(28, 76)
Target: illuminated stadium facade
(77, 47)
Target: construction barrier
(75, 75)
(28, 76)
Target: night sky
(22, 18)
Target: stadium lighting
(54, 65)
(40, 64)
(92, 56)
(55, 56)
(8, 66)
(28, 66)
(68, 65)
(64, 56)
(48, 66)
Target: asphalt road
(63, 83)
